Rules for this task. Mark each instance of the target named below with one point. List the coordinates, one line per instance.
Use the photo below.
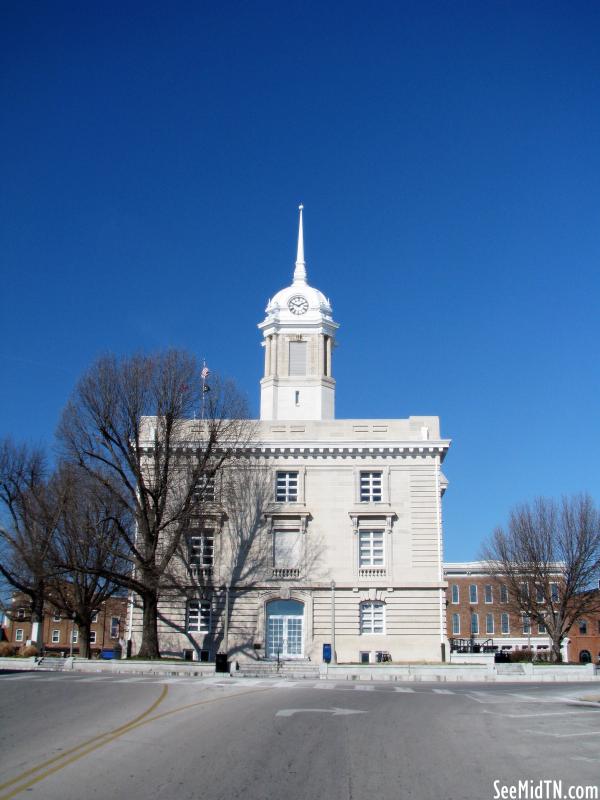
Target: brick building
(477, 609)
(108, 626)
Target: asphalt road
(70, 736)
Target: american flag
(205, 373)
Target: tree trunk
(149, 647)
(37, 620)
(84, 639)
(556, 654)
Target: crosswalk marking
(365, 688)
(443, 691)
(406, 689)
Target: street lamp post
(333, 656)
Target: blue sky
(152, 159)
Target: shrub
(28, 651)
(7, 649)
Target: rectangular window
(287, 549)
(542, 628)
(114, 627)
(19, 635)
(473, 593)
(20, 613)
(524, 591)
(286, 487)
(539, 594)
(75, 636)
(503, 594)
(455, 624)
(201, 551)
(474, 624)
(298, 352)
(94, 617)
(198, 616)
(583, 628)
(55, 636)
(56, 617)
(371, 618)
(370, 548)
(504, 626)
(526, 624)
(554, 592)
(92, 637)
(370, 487)
(489, 623)
(204, 491)
(455, 593)
(488, 593)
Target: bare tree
(131, 426)
(86, 548)
(30, 512)
(548, 558)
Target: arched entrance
(285, 629)
(585, 657)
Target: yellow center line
(107, 738)
(66, 753)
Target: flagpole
(203, 375)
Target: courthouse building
(347, 539)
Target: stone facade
(324, 531)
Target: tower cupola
(298, 337)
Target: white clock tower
(299, 334)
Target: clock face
(298, 304)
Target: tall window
(526, 624)
(542, 628)
(372, 618)
(539, 594)
(55, 636)
(114, 627)
(370, 544)
(474, 624)
(286, 487)
(524, 591)
(473, 593)
(455, 593)
(554, 592)
(205, 489)
(19, 635)
(504, 594)
(583, 627)
(94, 617)
(504, 626)
(370, 487)
(20, 613)
(75, 636)
(489, 623)
(92, 637)
(455, 624)
(298, 352)
(201, 551)
(488, 593)
(198, 616)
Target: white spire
(300, 270)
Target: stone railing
(371, 573)
(285, 572)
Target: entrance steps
(51, 663)
(509, 669)
(293, 669)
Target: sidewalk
(442, 673)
